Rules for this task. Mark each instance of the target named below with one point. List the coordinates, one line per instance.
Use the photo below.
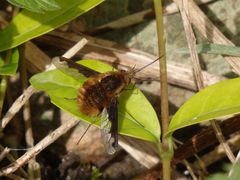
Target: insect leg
(89, 125)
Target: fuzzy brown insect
(99, 94)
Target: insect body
(98, 95)
(98, 92)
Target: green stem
(3, 84)
(166, 150)
(166, 169)
(3, 88)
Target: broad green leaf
(28, 25)
(213, 49)
(11, 67)
(136, 118)
(215, 101)
(38, 6)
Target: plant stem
(163, 66)
(166, 153)
(4, 82)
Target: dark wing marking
(72, 68)
(112, 110)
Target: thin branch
(39, 147)
(12, 159)
(200, 162)
(221, 139)
(192, 45)
(237, 161)
(79, 45)
(4, 153)
(189, 168)
(17, 105)
(205, 139)
(218, 153)
(27, 113)
(140, 150)
(26, 108)
(186, 163)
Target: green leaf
(11, 67)
(38, 6)
(28, 25)
(215, 101)
(136, 118)
(213, 49)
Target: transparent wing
(107, 138)
(73, 69)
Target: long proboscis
(138, 70)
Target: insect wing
(109, 127)
(112, 110)
(73, 69)
(105, 132)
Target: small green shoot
(213, 49)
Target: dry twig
(218, 152)
(12, 159)
(26, 107)
(237, 161)
(205, 138)
(27, 112)
(17, 105)
(39, 147)
(145, 153)
(4, 153)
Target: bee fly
(99, 95)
